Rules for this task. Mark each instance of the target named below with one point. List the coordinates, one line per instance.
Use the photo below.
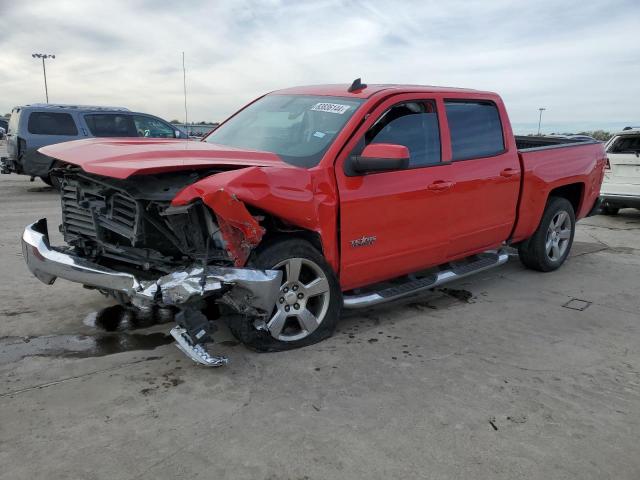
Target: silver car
(38, 125)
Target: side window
(625, 144)
(14, 120)
(412, 124)
(152, 127)
(46, 123)
(110, 125)
(476, 130)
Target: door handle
(509, 172)
(440, 185)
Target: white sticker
(330, 108)
(319, 134)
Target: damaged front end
(126, 240)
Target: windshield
(297, 128)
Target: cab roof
(63, 107)
(342, 90)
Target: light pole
(542, 109)
(44, 70)
(184, 84)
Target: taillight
(607, 165)
(22, 146)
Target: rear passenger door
(487, 177)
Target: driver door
(395, 222)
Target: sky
(580, 60)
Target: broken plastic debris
(197, 353)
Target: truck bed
(551, 163)
(530, 143)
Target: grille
(93, 212)
(76, 219)
(122, 216)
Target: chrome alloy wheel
(303, 300)
(558, 236)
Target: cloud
(581, 61)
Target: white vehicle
(621, 185)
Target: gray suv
(38, 125)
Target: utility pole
(43, 56)
(542, 109)
(184, 83)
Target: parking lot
(508, 374)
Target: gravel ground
(510, 374)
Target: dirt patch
(459, 294)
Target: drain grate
(577, 304)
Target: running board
(484, 261)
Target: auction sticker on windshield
(330, 108)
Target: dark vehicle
(39, 125)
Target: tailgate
(624, 158)
(625, 168)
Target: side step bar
(482, 262)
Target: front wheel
(47, 179)
(549, 246)
(308, 305)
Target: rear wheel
(308, 305)
(609, 210)
(549, 246)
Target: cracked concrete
(507, 384)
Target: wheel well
(312, 237)
(572, 192)
(277, 230)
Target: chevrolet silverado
(309, 200)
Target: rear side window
(13, 121)
(476, 130)
(414, 125)
(110, 125)
(625, 144)
(49, 123)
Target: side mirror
(381, 157)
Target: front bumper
(246, 290)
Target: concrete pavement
(505, 375)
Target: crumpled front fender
(301, 197)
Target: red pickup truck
(309, 200)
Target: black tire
(609, 210)
(268, 257)
(47, 179)
(535, 253)
(52, 182)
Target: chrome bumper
(247, 290)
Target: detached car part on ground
(310, 200)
